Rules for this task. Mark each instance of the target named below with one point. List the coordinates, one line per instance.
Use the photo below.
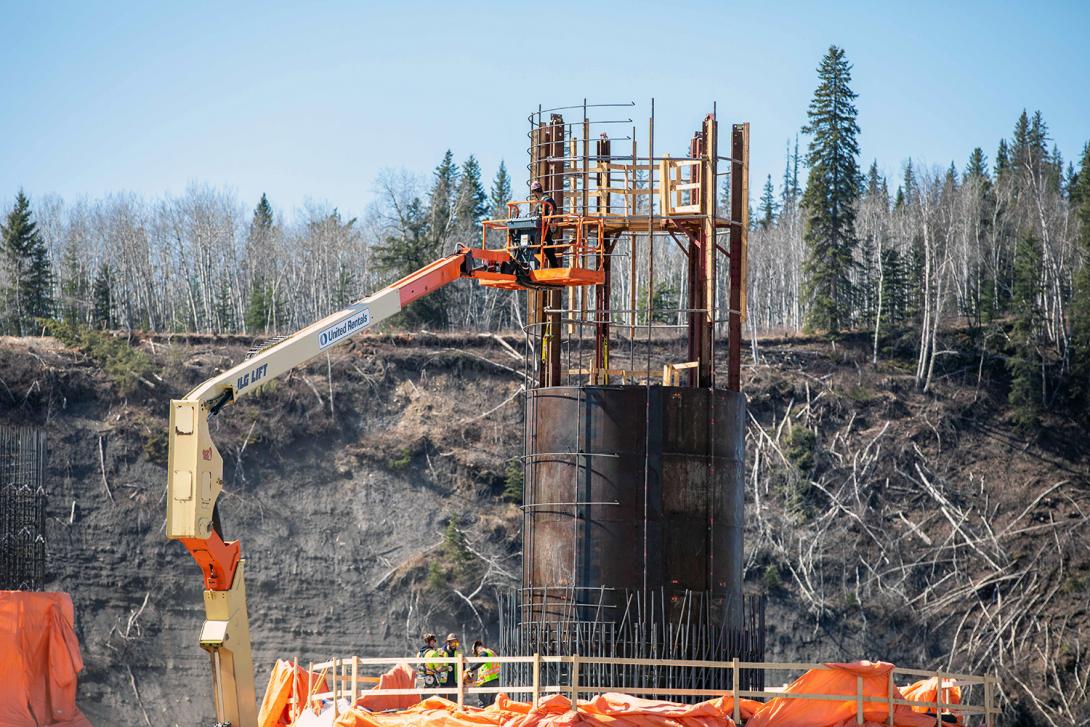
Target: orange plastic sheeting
(746, 709)
(277, 702)
(612, 710)
(927, 690)
(838, 679)
(39, 661)
(400, 677)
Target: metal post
(739, 231)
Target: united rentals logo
(349, 326)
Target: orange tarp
(278, 694)
(927, 690)
(615, 710)
(400, 677)
(838, 679)
(39, 661)
(623, 710)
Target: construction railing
(347, 675)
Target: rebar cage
(22, 509)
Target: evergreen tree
(1002, 159)
(28, 293)
(977, 167)
(1024, 363)
(789, 194)
(767, 209)
(831, 192)
(411, 246)
(875, 183)
(1020, 143)
(501, 192)
(472, 202)
(224, 311)
(74, 287)
(1071, 180)
(260, 304)
(258, 308)
(262, 221)
(441, 199)
(102, 303)
(895, 287)
(1080, 294)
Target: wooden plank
(859, 700)
(735, 688)
(537, 680)
(889, 695)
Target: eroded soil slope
(882, 521)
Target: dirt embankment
(883, 522)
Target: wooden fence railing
(345, 675)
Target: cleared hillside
(882, 522)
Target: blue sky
(309, 101)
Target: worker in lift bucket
(545, 207)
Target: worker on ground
(451, 650)
(428, 669)
(546, 207)
(487, 673)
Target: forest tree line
(996, 242)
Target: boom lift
(195, 467)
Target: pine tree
(472, 202)
(74, 287)
(977, 166)
(501, 193)
(789, 194)
(441, 199)
(258, 308)
(768, 206)
(875, 183)
(1071, 180)
(1080, 295)
(28, 292)
(1020, 151)
(980, 287)
(224, 310)
(832, 189)
(1002, 159)
(260, 304)
(1024, 364)
(102, 303)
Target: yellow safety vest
(489, 671)
(434, 667)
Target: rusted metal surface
(631, 488)
(739, 183)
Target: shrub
(124, 364)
